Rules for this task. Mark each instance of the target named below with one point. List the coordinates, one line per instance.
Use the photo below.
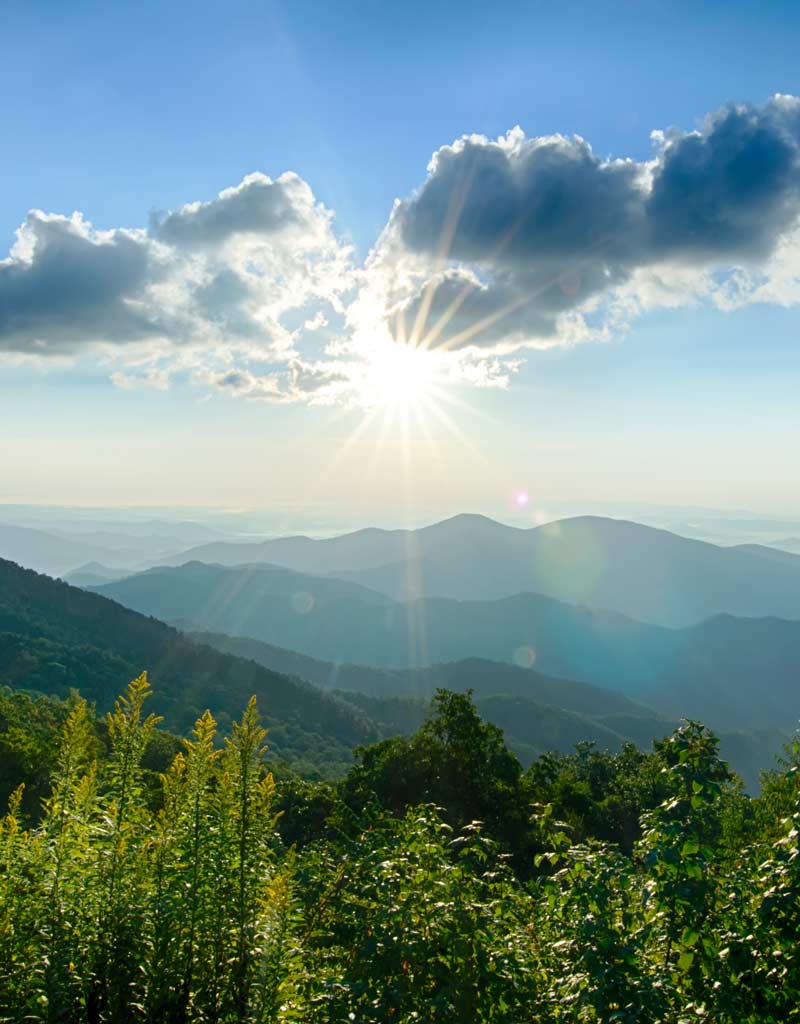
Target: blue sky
(123, 110)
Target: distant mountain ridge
(733, 673)
(46, 552)
(61, 547)
(93, 574)
(640, 571)
(59, 553)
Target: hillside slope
(54, 637)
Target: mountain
(54, 637)
(484, 678)
(56, 543)
(46, 552)
(774, 554)
(788, 544)
(267, 602)
(646, 573)
(732, 673)
(532, 728)
(58, 553)
(536, 712)
(93, 574)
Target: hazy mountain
(58, 553)
(537, 712)
(774, 554)
(267, 602)
(54, 637)
(789, 544)
(732, 673)
(484, 678)
(93, 574)
(118, 521)
(169, 533)
(531, 726)
(58, 541)
(46, 552)
(647, 573)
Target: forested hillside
(54, 637)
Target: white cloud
(508, 244)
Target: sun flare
(400, 378)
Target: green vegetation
(54, 637)
(437, 882)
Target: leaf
(685, 960)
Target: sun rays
(400, 378)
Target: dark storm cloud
(542, 225)
(259, 206)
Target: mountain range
(583, 628)
(54, 637)
(731, 672)
(65, 546)
(646, 573)
(537, 712)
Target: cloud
(316, 383)
(729, 191)
(510, 242)
(258, 206)
(153, 377)
(217, 274)
(245, 384)
(507, 244)
(65, 284)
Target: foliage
(109, 912)
(437, 883)
(456, 762)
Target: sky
(457, 255)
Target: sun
(400, 379)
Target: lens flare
(525, 656)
